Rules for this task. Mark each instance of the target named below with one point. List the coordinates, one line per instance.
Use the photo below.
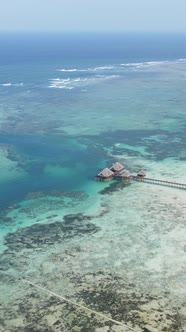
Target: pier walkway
(159, 182)
(118, 172)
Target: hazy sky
(93, 15)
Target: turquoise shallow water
(66, 112)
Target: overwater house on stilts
(108, 174)
(141, 174)
(126, 175)
(105, 175)
(117, 168)
(118, 171)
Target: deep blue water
(86, 48)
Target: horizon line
(94, 31)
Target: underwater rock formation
(114, 186)
(79, 195)
(107, 294)
(124, 302)
(49, 234)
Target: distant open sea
(70, 105)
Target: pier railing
(159, 182)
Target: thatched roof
(117, 167)
(106, 172)
(126, 174)
(141, 173)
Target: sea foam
(11, 84)
(100, 68)
(5, 84)
(70, 83)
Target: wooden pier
(159, 182)
(118, 172)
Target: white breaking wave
(71, 83)
(96, 74)
(5, 84)
(87, 69)
(137, 65)
(146, 64)
(107, 77)
(129, 65)
(103, 68)
(60, 83)
(68, 70)
(181, 60)
(11, 84)
(72, 70)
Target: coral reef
(104, 293)
(50, 234)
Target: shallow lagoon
(116, 248)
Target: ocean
(70, 105)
